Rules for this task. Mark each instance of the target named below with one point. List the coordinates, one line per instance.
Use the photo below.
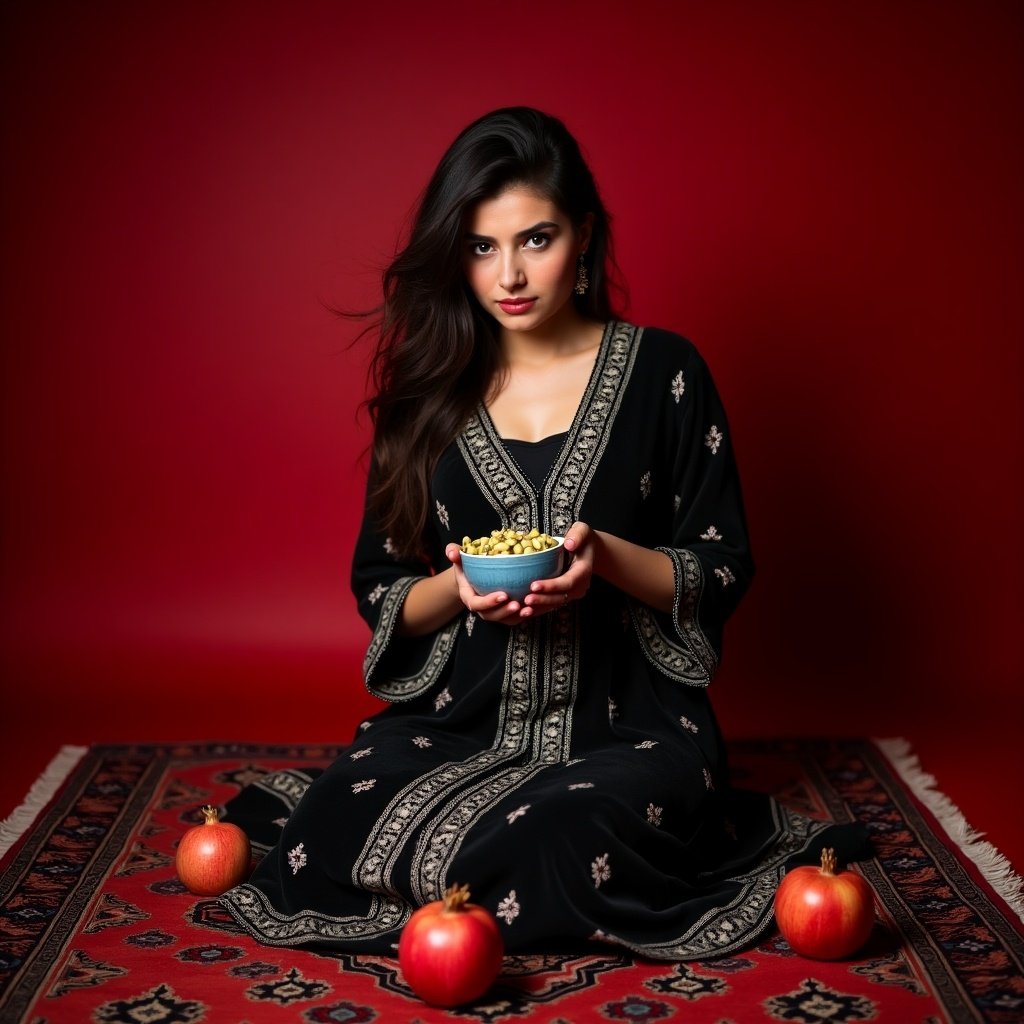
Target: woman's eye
(537, 241)
(480, 248)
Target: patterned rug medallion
(95, 926)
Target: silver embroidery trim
(588, 437)
(695, 662)
(734, 926)
(549, 738)
(403, 688)
(410, 807)
(286, 785)
(668, 657)
(496, 474)
(254, 912)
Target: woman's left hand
(573, 584)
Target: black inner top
(535, 458)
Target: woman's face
(521, 257)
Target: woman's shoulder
(662, 344)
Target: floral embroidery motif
(687, 724)
(422, 742)
(517, 813)
(442, 514)
(725, 575)
(389, 546)
(600, 870)
(377, 593)
(708, 783)
(280, 822)
(297, 858)
(677, 500)
(508, 908)
(711, 534)
(645, 485)
(645, 744)
(654, 814)
(678, 386)
(470, 623)
(613, 710)
(365, 752)
(581, 785)
(363, 726)
(443, 698)
(713, 439)
(364, 785)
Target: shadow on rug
(95, 926)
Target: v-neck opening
(567, 436)
(557, 503)
(602, 345)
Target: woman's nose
(511, 274)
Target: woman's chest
(617, 482)
(535, 402)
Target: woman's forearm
(430, 603)
(641, 572)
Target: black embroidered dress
(570, 769)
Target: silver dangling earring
(582, 281)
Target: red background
(824, 196)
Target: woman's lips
(516, 306)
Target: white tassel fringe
(996, 869)
(43, 789)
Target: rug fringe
(42, 792)
(993, 865)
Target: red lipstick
(515, 307)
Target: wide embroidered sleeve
(708, 546)
(395, 668)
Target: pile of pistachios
(509, 542)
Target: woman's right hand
(491, 607)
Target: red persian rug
(95, 926)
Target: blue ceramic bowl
(513, 573)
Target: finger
(550, 598)
(507, 614)
(489, 602)
(576, 535)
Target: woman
(559, 753)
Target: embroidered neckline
(555, 504)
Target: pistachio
(508, 542)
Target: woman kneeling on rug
(557, 753)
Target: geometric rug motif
(95, 926)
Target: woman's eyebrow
(543, 225)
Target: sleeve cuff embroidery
(688, 657)
(404, 688)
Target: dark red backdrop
(825, 196)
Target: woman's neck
(540, 387)
(568, 336)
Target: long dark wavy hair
(437, 351)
